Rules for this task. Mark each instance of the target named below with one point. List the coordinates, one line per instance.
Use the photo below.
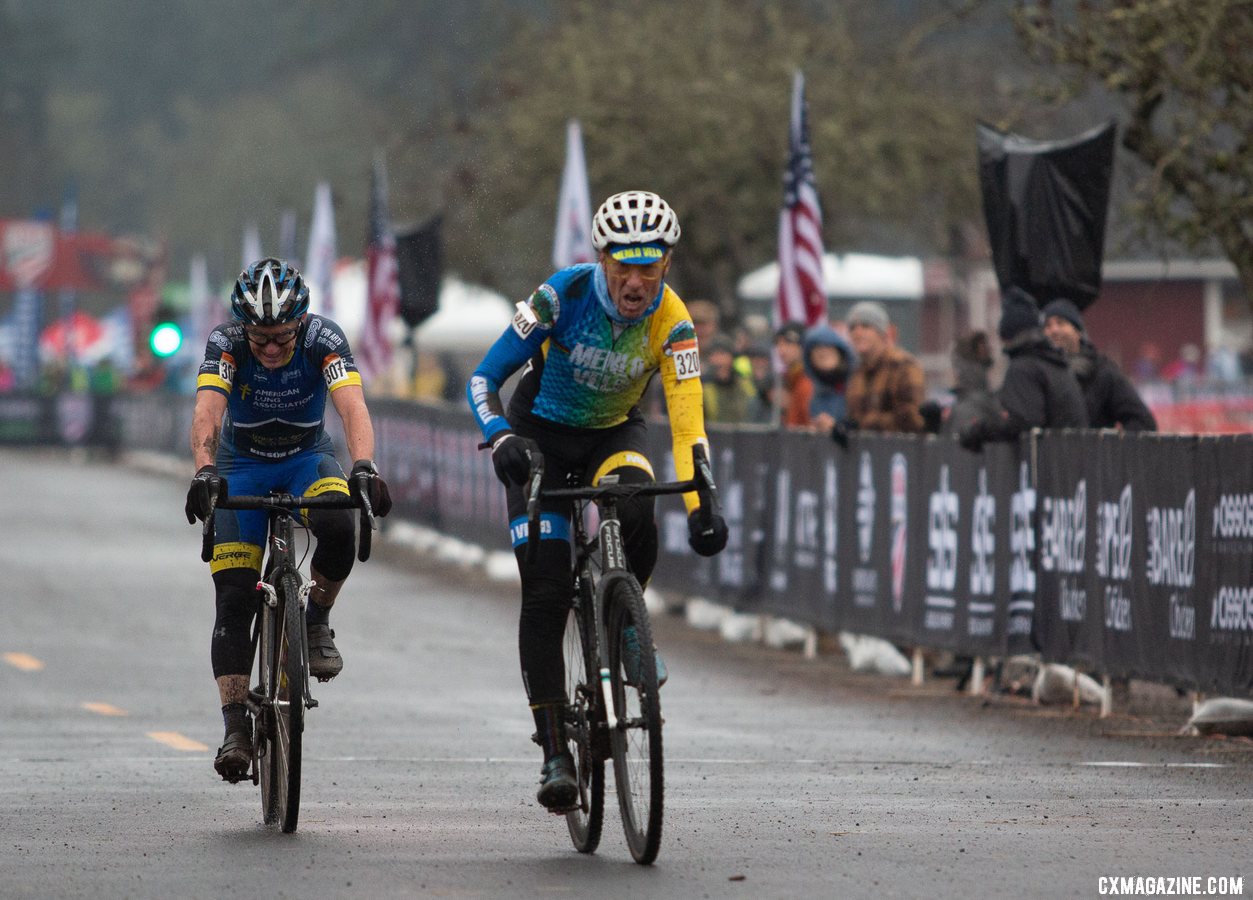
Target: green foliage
(187, 120)
(692, 100)
(1184, 74)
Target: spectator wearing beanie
(886, 389)
(1039, 390)
(797, 388)
(1111, 400)
(727, 393)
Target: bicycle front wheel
(583, 717)
(280, 770)
(638, 765)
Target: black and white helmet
(634, 217)
(269, 292)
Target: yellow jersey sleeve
(674, 338)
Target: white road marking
(104, 709)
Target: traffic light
(165, 339)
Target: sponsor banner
(1011, 499)
(1146, 557)
(1068, 614)
(964, 601)
(1131, 555)
(800, 477)
(885, 553)
(1221, 608)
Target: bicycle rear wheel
(638, 766)
(280, 770)
(583, 717)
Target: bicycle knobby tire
(280, 786)
(583, 720)
(638, 764)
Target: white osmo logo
(865, 508)
(983, 539)
(942, 536)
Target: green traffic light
(165, 339)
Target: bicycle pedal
(565, 810)
(310, 703)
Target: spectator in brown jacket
(887, 388)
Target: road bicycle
(614, 708)
(279, 644)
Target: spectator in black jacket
(1039, 390)
(1111, 400)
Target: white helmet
(634, 217)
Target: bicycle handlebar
(702, 483)
(279, 501)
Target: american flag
(801, 296)
(374, 352)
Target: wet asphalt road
(785, 778)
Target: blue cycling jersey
(276, 413)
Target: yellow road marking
(23, 661)
(176, 740)
(105, 709)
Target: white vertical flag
(573, 241)
(206, 309)
(320, 259)
(251, 249)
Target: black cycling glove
(973, 435)
(841, 430)
(207, 487)
(709, 540)
(511, 457)
(380, 496)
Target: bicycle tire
(638, 763)
(584, 716)
(267, 679)
(290, 667)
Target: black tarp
(420, 269)
(1045, 204)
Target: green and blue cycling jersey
(588, 367)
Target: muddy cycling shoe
(324, 660)
(631, 658)
(559, 789)
(234, 757)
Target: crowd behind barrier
(1126, 555)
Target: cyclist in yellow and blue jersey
(257, 426)
(591, 338)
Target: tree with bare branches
(1183, 69)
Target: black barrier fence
(70, 419)
(1130, 555)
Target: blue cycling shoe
(631, 658)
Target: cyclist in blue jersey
(258, 425)
(591, 338)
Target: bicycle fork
(302, 599)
